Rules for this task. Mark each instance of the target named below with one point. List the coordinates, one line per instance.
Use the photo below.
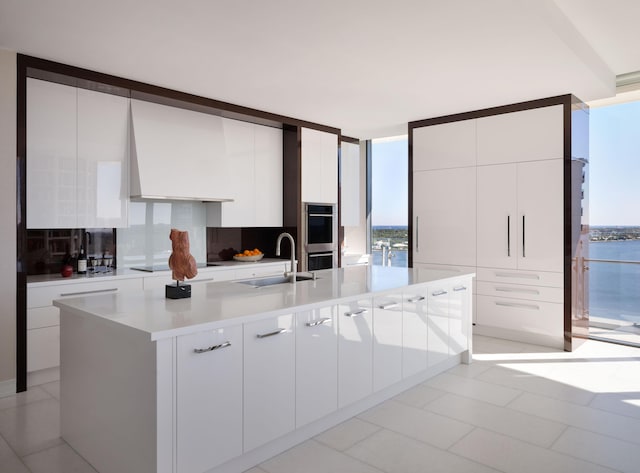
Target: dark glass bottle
(82, 261)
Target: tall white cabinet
(488, 196)
(319, 166)
(77, 157)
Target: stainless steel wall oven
(319, 237)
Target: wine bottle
(82, 261)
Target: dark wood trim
(21, 226)
(348, 139)
(79, 77)
(410, 197)
(340, 231)
(567, 230)
(368, 198)
(487, 112)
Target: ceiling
(365, 66)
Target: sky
(614, 165)
(389, 186)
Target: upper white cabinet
(319, 167)
(253, 177)
(350, 204)
(520, 219)
(103, 159)
(445, 216)
(77, 157)
(450, 145)
(528, 135)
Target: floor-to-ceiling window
(389, 201)
(614, 202)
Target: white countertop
(218, 304)
(51, 279)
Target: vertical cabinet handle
(214, 347)
(524, 237)
(509, 235)
(271, 334)
(417, 234)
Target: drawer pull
(517, 275)
(356, 312)
(271, 334)
(438, 293)
(416, 299)
(388, 305)
(322, 321)
(519, 306)
(214, 347)
(459, 288)
(84, 293)
(516, 290)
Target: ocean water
(614, 288)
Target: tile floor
(517, 409)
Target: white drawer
(155, 282)
(542, 318)
(43, 296)
(519, 291)
(514, 276)
(452, 270)
(43, 348)
(257, 271)
(39, 317)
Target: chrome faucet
(293, 253)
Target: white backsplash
(146, 241)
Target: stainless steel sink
(272, 281)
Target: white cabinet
(414, 332)
(387, 341)
(319, 167)
(350, 184)
(438, 323)
(316, 364)
(459, 315)
(355, 374)
(527, 135)
(520, 219)
(253, 177)
(269, 380)
(103, 160)
(445, 216)
(77, 157)
(449, 145)
(209, 398)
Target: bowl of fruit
(249, 255)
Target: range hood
(177, 154)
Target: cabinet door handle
(520, 306)
(521, 291)
(517, 275)
(84, 293)
(318, 322)
(271, 334)
(459, 288)
(509, 235)
(415, 299)
(524, 237)
(438, 293)
(356, 312)
(417, 234)
(214, 347)
(388, 305)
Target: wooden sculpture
(182, 264)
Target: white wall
(355, 238)
(8, 219)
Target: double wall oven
(319, 237)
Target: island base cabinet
(438, 322)
(459, 315)
(269, 380)
(354, 351)
(209, 398)
(316, 362)
(414, 333)
(387, 341)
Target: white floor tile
(9, 461)
(20, 399)
(52, 388)
(395, 453)
(626, 404)
(347, 434)
(419, 424)
(583, 417)
(515, 424)
(419, 395)
(313, 457)
(474, 389)
(59, 459)
(255, 470)
(600, 449)
(472, 370)
(515, 456)
(32, 427)
(522, 380)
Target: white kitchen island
(236, 374)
